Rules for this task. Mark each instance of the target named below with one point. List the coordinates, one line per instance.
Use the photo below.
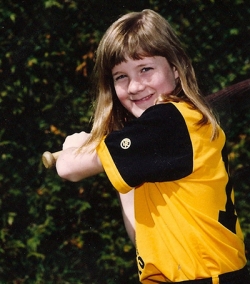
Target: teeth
(143, 99)
(146, 98)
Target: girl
(164, 152)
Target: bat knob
(48, 159)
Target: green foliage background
(53, 231)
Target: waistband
(241, 276)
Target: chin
(138, 113)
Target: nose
(135, 86)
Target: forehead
(137, 63)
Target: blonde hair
(137, 35)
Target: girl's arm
(74, 165)
(127, 205)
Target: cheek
(166, 85)
(170, 81)
(120, 92)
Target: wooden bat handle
(49, 159)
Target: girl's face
(138, 83)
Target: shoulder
(170, 115)
(170, 109)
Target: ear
(176, 73)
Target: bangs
(131, 40)
(131, 46)
(122, 55)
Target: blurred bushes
(53, 231)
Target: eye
(119, 77)
(145, 69)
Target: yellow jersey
(186, 226)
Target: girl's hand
(74, 165)
(75, 140)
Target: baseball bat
(240, 90)
(49, 159)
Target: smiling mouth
(143, 99)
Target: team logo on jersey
(125, 143)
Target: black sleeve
(155, 147)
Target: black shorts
(241, 276)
